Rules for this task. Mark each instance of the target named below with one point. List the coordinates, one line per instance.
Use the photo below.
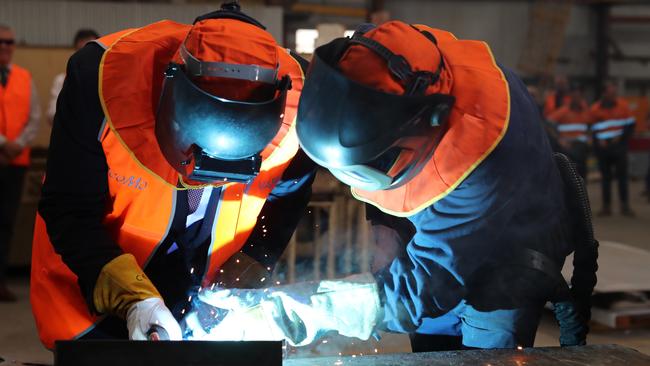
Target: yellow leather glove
(122, 289)
(120, 284)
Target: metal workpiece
(167, 353)
(596, 355)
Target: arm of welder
(74, 200)
(74, 193)
(418, 284)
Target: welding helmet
(222, 100)
(366, 112)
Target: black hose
(573, 307)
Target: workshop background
(588, 41)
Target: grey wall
(54, 23)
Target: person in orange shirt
(20, 115)
(613, 124)
(572, 125)
(557, 98)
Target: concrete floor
(19, 341)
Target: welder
(425, 126)
(172, 155)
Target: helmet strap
(416, 82)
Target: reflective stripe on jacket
(571, 124)
(611, 122)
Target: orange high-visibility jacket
(477, 123)
(572, 124)
(141, 208)
(15, 103)
(609, 123)
(550, 103)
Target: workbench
(595, 355)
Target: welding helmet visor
(208, 138)
(367, 138)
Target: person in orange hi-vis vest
(611, 129)
(20, 115)
(558, 97)
(174, 164)
(572, 124)
(425, 126)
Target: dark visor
(344, 123)
(198, 130)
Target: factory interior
(565, 65)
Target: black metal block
(167, 353)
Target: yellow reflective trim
(467, 172)
(110, 121)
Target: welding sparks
(192, 270)
(262, 279)
(338, 362)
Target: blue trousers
(502, 328)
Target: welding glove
(122, 289)
(299, 313)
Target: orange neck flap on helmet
(477, 122)
(132, 71)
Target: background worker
(82, 37)
(572, 124)
(613, 125)
(195, 173)
(427, 126)
(20, 115)
(558, 97)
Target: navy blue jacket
(464, 243)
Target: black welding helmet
(368, 138)
(208, 138)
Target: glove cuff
(120, 284)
